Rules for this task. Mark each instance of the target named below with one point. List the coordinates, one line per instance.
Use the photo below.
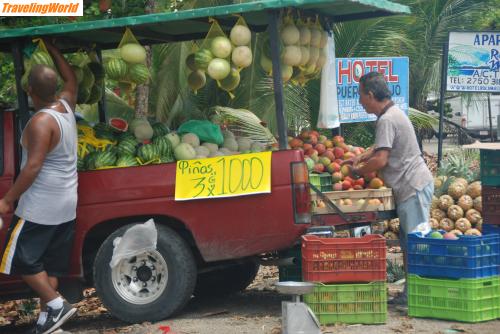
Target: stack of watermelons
(125, 150)
(130, 66)
(90, 76)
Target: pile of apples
(327, 155)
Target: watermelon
(95, 94)
(78, 59)
(97, 70)
(148, 152)
(80, 165)
(127, 146)
(159, 129)
(83, 94)
(102, 127)
(89, 160)
(116, 69)
(164, 146)
(202, 58)
(104, 159)
(126, 161)
(166, 159)
(118, 124)
(125, 135)
(42, 58)
(139, 73)
(78, 73)
(88, 79)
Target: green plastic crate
(293, 272)
(466, 300)
(318, 180)
(349, 303)
(490, 167)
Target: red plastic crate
(335, 260)
(491, 204)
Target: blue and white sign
(474, 62)
(349, 70)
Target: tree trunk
(142, 91)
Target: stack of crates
(322, 181)
(490, 182)
(454, 279)
(350, 276)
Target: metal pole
(490, 119)
(277, 80)
(442, 92)
(101, 105)
(22, 97)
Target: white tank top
(51, 199)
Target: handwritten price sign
(229, 176)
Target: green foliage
(461, 163)
(7, 80)
(359, 134)
(395, 271)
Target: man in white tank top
(39, 241)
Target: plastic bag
(423, 229)
(205, 130)
(136, 240)
(328, 117)
(127, 38)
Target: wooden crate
(384, 195)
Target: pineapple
(474, 189)
(457, 189)
(465, 202)
(455, 212)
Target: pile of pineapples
(457, 204)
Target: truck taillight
(301, 193)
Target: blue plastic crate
(466, 257)
(491, 229)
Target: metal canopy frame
(192, 25)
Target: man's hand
(5, 206)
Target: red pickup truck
(207, 244)
(203, 245)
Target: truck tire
(148, 287)
(225, 281)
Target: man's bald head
(42, 81)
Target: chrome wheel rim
(141, 279)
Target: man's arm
(39, 134)
(377, 161)
(70, 89)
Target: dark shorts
(31, 248)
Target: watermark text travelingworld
(41, 8)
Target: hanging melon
(218, 69)
(196, 80)
(242, 56)
(240, 35)
(133, 53)
(230, 82)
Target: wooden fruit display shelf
(338, 197)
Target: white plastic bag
(136, 240)
(328, 117)
(423, 228)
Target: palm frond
(244, 123)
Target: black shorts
(31, 248)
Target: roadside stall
(108, 148)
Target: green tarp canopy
(193, 24)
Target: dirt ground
(256, 310)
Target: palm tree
(420, 36)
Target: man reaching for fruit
(397, 155)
